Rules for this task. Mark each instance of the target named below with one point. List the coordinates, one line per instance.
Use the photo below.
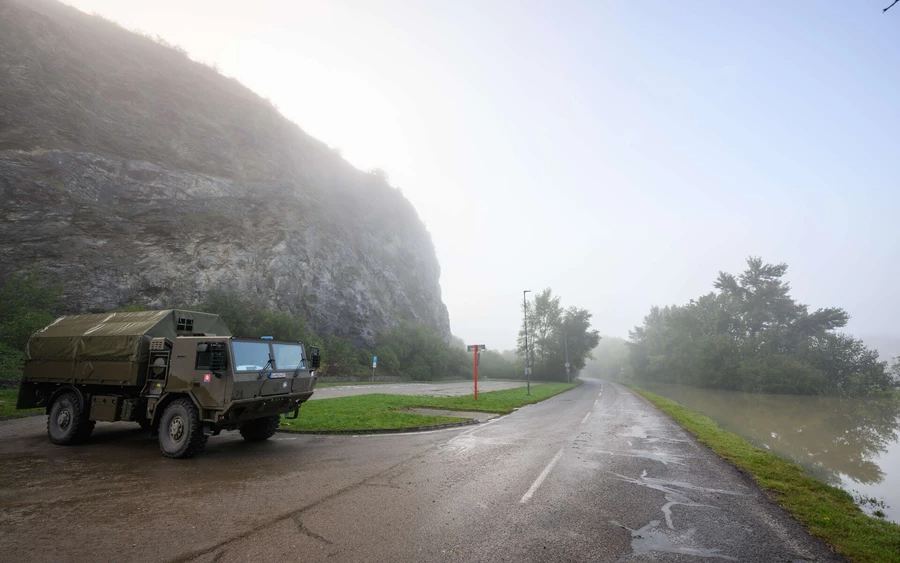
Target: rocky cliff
(133, 174)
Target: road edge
(402, 429)
(14, 416)
(825, 511)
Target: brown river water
(852, 443)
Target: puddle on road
(651, 538)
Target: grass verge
(382, 411)
(8, 403)
(828, 512)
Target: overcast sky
(621, 153)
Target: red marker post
(475, 348)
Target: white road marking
(596, 401)
(541, 477)
(587, 416)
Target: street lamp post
(566, 335)
(527, 361)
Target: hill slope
(136, 175)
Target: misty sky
(621, 153)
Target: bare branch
(889, 7)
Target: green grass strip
(828, 512)
(8, 399)
(378, 410)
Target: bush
(28, 303)
(10, 364)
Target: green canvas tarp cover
(115, 336)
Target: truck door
(208, 384)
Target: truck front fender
(164, 401)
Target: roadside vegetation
(751, 335)
(409, 351)
(8, 403)
(828, 512)
(381, 411)
(28, 302)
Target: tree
(380, 174)
(752, 335)
(28, 303)
(420, 354)
(549, 326)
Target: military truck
(179, 374)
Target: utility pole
(527, 360)
(566, 335)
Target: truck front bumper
(242, 410)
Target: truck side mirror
(315, 359)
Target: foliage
(827, 512)
(251, 318)
(750, 335)
(131, 308)
(10, 364)
(414, 352)
(550, 330)
(499, 365)
(339, 358)
(28, 303)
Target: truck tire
(180, 432)
(261, 429)
(67, 423)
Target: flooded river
(851, 443)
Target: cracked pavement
(594, 474)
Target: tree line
(751, 335)
(553, 333)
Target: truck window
(289, 356)
(250, 356)
(204, 356)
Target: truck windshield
(250, 356)
(289, 356)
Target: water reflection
(832, 437)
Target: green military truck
(179, 374)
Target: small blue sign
(374, 362)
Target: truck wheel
(180, 432)
(261, 429)
(67, 422)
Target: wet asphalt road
(585, 476)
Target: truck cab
(231, 380)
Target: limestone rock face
(133, 174)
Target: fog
(619, 153)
